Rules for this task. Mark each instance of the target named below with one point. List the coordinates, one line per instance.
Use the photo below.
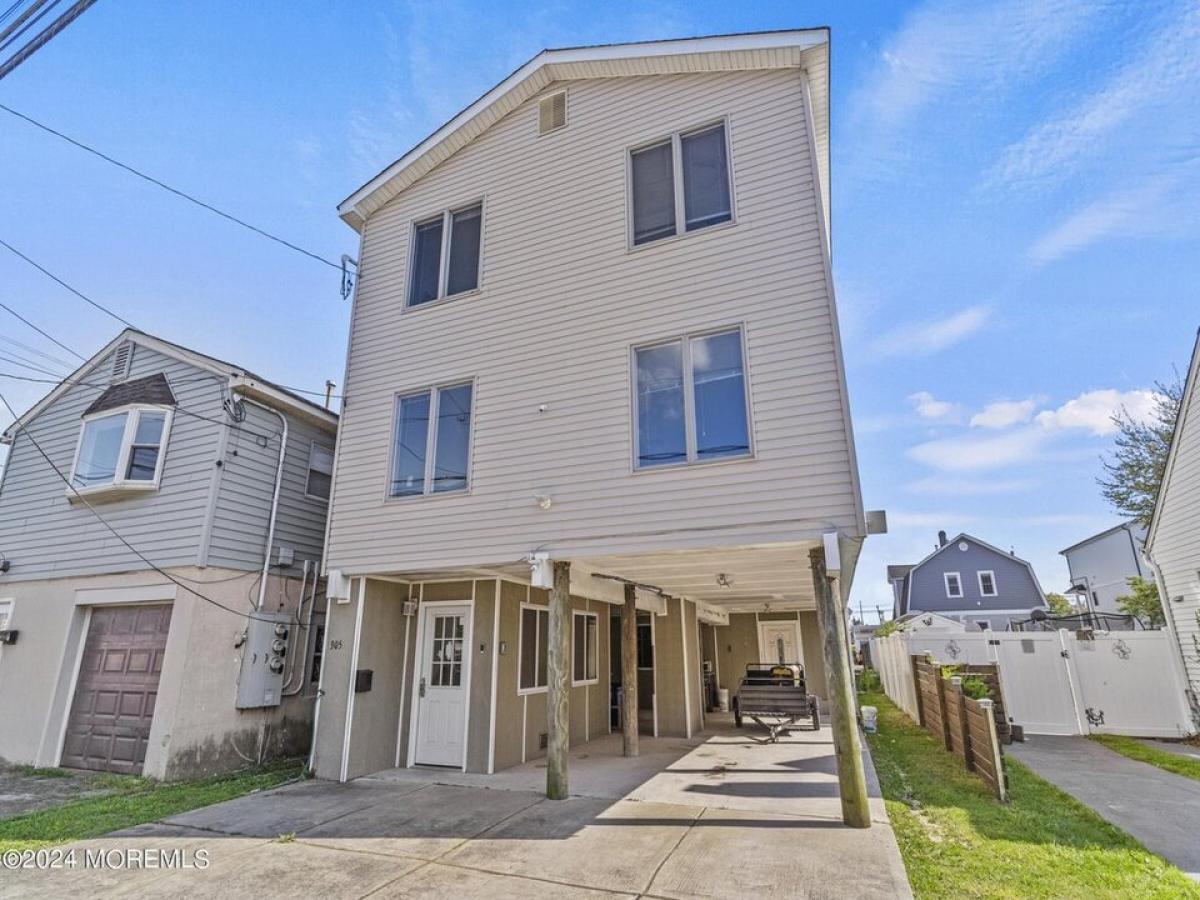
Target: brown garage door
(117, 686)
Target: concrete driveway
(1159, 808)
(723, 816)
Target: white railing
(1125, 682)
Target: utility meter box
(264, 659)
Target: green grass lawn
(957, 841)
(134, 801)
(1135, 749)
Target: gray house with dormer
(968, 580)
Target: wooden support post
(558, 692)
(629, 672)
(996, 758)
(852, 778)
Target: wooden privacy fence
(964, 726)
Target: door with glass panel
(443, 678)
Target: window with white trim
(433, 460)
(691, 402)
(585, 628)
(535, 628)
(445, 254)
(320, 471)
(953, 585)
(987, 583)
(680, 184)
(6, 610)
(121, 449)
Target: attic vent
(121, 360)
(552, 112)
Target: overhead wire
(82, 296)
(120, 537)
(42, 332)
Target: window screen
(653, 193)
(705, 178)
(320, 471)
(464, 250)
(426, 262)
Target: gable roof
(963, 536)
(805, 49)
(1189, 390)
(240, 380)
(1131, 525)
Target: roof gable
(1189, 393)
(983, 545)
(806, 50)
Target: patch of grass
(135, 801)
(37, 772)
(1164, 759)
(957, 841)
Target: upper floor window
(953, 585)
(987, 583)
(432, 460)
(320, 471)
(691, 400)
(445, 255)
(680, 184)
(121, 449)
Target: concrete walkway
(1159, 808)
(721, 817)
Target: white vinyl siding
(553, 324)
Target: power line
(44, 36)
(82, 296)
(44, 334)
(136, 552)
(166, 187)
(53, 359)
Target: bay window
(121, 449)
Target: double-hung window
(691, 402)
(987, 583)
(432, 458)
(680, 184)
(445, 255)
(121, 449)
(320, 471)
(954, 588)
(535, 628)
(585, 627)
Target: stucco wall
(737, 645)
(197, 729)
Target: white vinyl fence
(1126, 682)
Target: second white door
(443, 677)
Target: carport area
(720, 815)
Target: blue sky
(1015, 186)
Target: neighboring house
(142, 503)
(1173, 539)
(1101, 566)
(595, 326)
(970, 581)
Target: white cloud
(1093, 411)
(929, 407)
(943, 485)
(1004, 413)
(977, 454)
(930, 337)
(1160, 77)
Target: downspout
(266, 569)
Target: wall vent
(552, 112)
(122, 357)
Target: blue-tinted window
(661, 423)
(412, 436)
(452, 441)
(426, 262)
(719, 391)
(465, 231)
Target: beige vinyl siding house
(551, 340)
(131, 598)
(1173, 542)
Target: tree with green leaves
(1143, 602)
(1133, 474)
(1059, 605)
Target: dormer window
(123, 437)
(122, 449)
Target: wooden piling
(629, 673)
(558, 692)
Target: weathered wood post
(629, 672)
(852, 779)
(993, 751)
(558, 685)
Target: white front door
(442, 685)
(779, 642)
